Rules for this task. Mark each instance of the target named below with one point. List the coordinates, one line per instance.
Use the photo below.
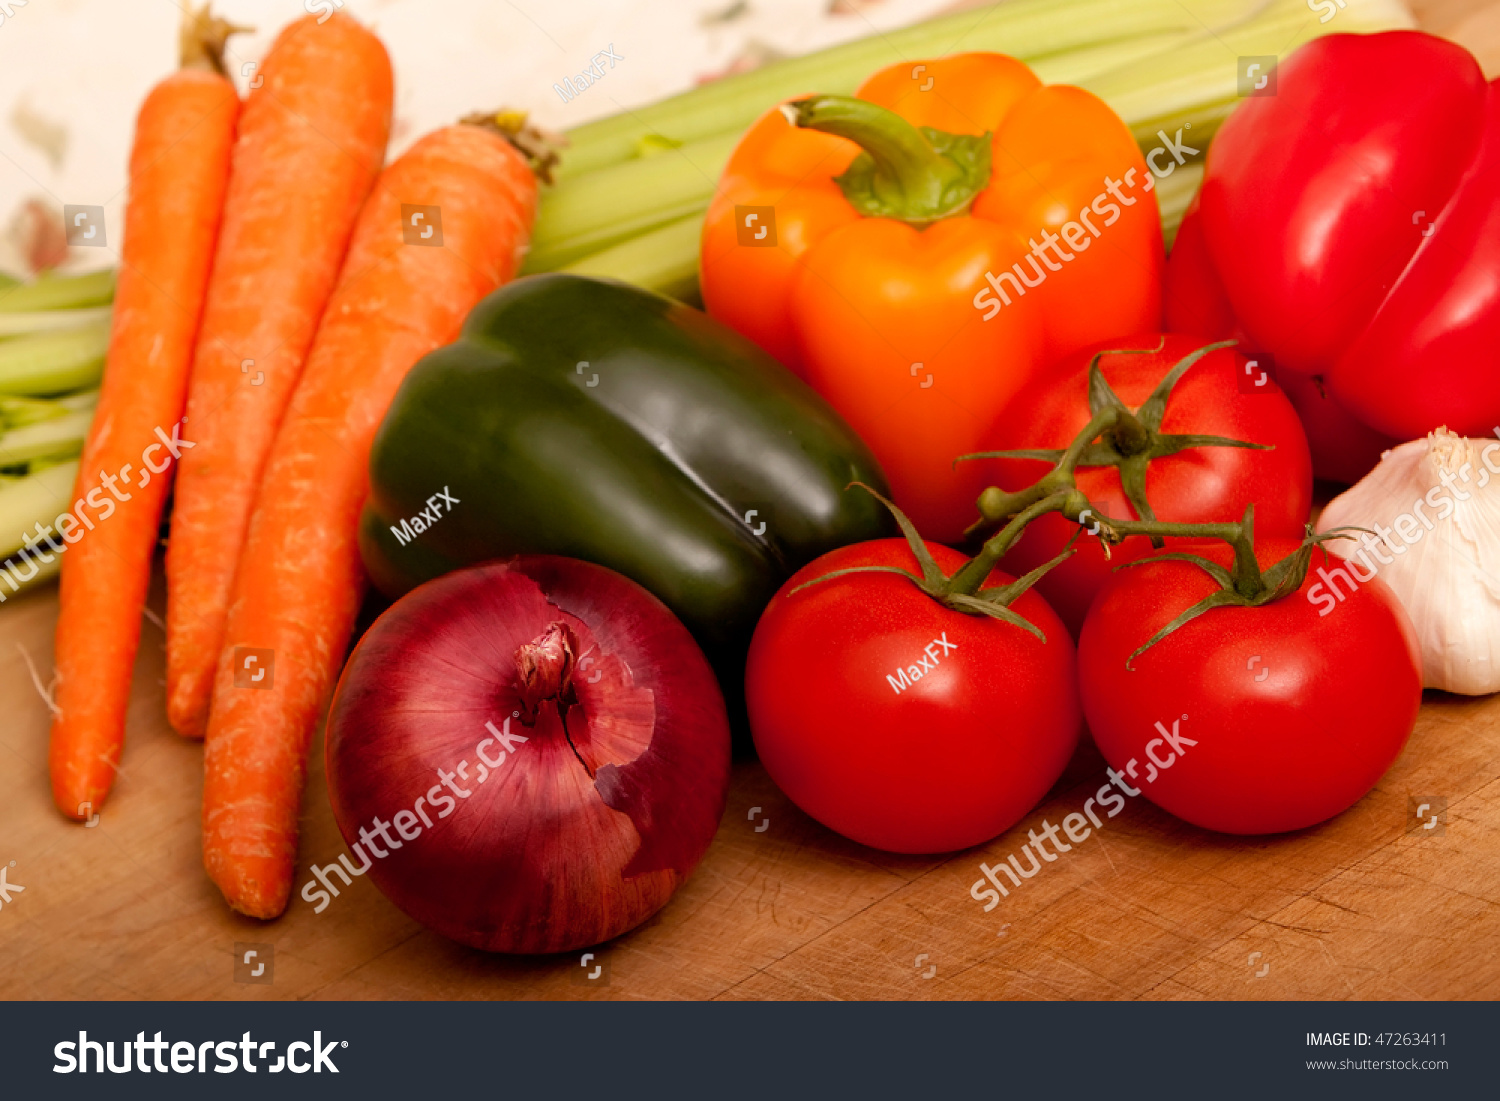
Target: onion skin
(562, 844)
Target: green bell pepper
(596, 420)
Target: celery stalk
(1021, 28)
(1197, 82)
(41, 497)
(83, 400)
(664, 260)
(12, 324)
(59, 292)
(54, 333)
(58, 438)
(625, 200)
(1173, 195)
(14, 571)
(55, 362)
(595, 209)
(19, 412)
(1073, 66)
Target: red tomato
(898, 722)
(1199, 485)
(1250, 720)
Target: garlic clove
(1434, 505)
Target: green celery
(39, 321)
(39, 497)
(664, 260)
(14, 569)
(1173, 195)
(55, 362)
(59, 292)
(19, 412)
(60, 437)
(1020, 28)
(603, 208)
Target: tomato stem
(1246, 586)
(1128, 439)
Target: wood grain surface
(1369, 905)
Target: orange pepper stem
(917, 176)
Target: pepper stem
(913, 175)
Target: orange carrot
(311, 141)
(179, 168)
(299, 583)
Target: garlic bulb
(1434, 506)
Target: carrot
(299, 583)
(179, 168)
(311, 141)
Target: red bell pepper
(1348, 226)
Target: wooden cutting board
(1370, 905)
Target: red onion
(583, 723)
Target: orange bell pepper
(918, 253)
